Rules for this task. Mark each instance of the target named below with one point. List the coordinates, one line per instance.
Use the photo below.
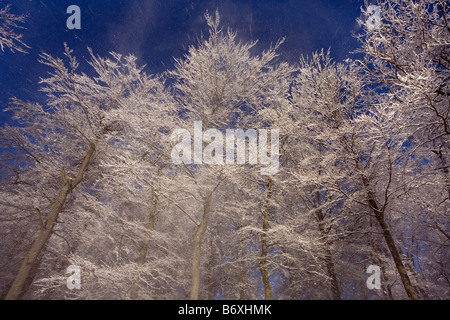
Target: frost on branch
(363, 176)
(9, 23)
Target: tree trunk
(264, 246)
(331, 273)
(241, 270)
(242, 285)
(46, 231)
(379, 215)
(334, 286)
(196, 256)
(134, 292)
(397, 259)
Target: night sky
(156, 31)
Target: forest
(96, 182)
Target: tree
(357, 150)
(106, 176)
(408, 54)
(83, 115)
(221, 83)
(8, 36)
(408, 57)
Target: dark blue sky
(156, 31)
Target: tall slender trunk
(196, 255)
(397, 259)
(47, 229)
(264, 246)
(328, 257)
(379, 215)
(241, 270)
(134, 292)
(336, 294)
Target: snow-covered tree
(9, 23)
(98, 177)
(221, 84)
(407, 57)
(354, 151)
(65, 140)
